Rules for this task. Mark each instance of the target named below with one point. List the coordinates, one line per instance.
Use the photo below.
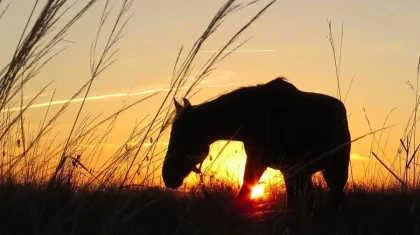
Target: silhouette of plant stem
(4, 10)
(183, 72)
(103, 63)
(336, 64)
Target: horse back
(297, 126)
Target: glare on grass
(258, 191)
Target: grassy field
(51, 189)
(30, 209)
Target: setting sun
(257, 191)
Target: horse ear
(186, 102)
(178, 106)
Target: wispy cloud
(242, 51)
(222, 75)
(355, 156)
(130, 145)
(219, 76)
(30, 97)
(116, 95)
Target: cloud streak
(116, 95)
(242, 51)
(355, 156)
(30, 97)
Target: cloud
(129, 62)
(220, 76)
(216, 76)
(29, 97)
(118, 145)
(116, 95)
(357, 157)
(242, 51)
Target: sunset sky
(381, 47)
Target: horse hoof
(242, 208)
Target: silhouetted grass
(32, 209)
(59, 189)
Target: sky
(381, 47)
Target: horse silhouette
(281, 127)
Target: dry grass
(53, 187)
(31, 209)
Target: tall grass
(408, 145)
(67, 191)
(51, 161)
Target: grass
(31, 209)
(50, 186)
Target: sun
(257, 192)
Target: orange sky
(381, 46)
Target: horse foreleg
(252, 175)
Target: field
(62, 210)
(54, 187)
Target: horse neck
(217, 123)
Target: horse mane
(280, 84)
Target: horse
(282, 127)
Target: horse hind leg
(297, 186)
(291, 184)
(336, 176)
(305, 190)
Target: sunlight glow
(226, 163)
(258, 191)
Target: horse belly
(294, 144)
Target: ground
(63, 210)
